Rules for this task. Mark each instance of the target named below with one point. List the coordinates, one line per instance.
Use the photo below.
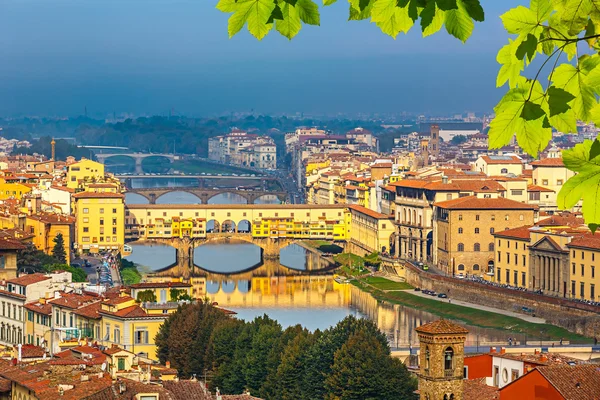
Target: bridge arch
(228, 286)
(228, 226)
(244, 226)
(213, 226)
(232, 192)
(244, 285)
(153, 197)
(268, 198)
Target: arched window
(448, 358)
(504, 171)
(414, 218)
(427, 356)
(405, 216)
(461, 267)
(491, 247)
(460, 230)
(521, 217)
(475, 267)
(476, 247)
(476, 230)
(492, 230)
(506, 217)
(461, 247)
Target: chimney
(544, 358)
(19, 347)
(444, 179)
(492, 350)
(168, 364)
(502, 350)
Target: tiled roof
(149, 285)
(442, 326)
(536, 188)
(187, 390)
(549, 162)
(586, 241)
(369, 212)
(30, 279)
(92, 311)
(474, 203)
(562, 220)
(53, 218)
(11, 294)
(476, 389)
(32, 351)
(118, 300)
(521, 232)
(472, 185)
(38, 307)
(507, 160)
(134, 311)
(93, 195)
(10, 244)
(577, 382)
(72, 300)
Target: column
(397, 245)
(424, 250)
(543, 272)
(549, 277)
(554, 273)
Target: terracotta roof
(369, 212)
(63, 188)
(38, 307)
(118, 300)
(511, 160)
(92, 311)
(476, 389)
(103, 185)
(53, 218)
(32, 351)
(93, 195)
(586, 241)
(11, 294)
(441, 326)
(187, 390)
(576, 382)
(536, 188)
(521, 232)
(548, 162)
(474, 185)
(474, 203)
(562, 220)
(9, 244)
(30, 279)
(72, 300)
(134, 311)
(146, 285)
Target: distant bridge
(204, 195)
(175, 176)
(138, 157)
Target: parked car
(443, 296)
(426, 291)
(417, 289)
(432, 293)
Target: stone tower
(425, 153)
(434, 140)
(441, 360)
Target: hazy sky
(148, 56)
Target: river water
(299, 288)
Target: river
(298, 289)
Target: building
(464, 230)
(83, 171)
(45, 227)
(441, 360)
(243, 149)
(13, 190)
(499, 165)
(100, 221)
(550, 174)
(8, 257)
(512, 257)
(584, 281)
(370, 231)
(162, 290)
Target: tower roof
(441, 326)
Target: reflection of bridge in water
(267, 285)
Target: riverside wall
(579, 318)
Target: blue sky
(148, 56)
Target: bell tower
(441, 359)
(434, 140)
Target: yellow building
(370, 231)
(499, 165)
(512, 257)
(551, 174)
(84, 170)
(100, 221)
(8, 258)
(298, 221)
(45, 227)
(584, 280)
(464, 230)
(38, 322)
(129, 326)
(13, 190)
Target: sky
(150, 56)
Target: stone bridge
(137, 157)
(204, 195)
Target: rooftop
(441, 326)
(548, 162)
(93, 195)
(574, 382)
(30, 279)
(369, 212)
(521, 232)
(474, 203)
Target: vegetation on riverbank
(353, 264)
(323, 246)
(377, 286)
(129, 272)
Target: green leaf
(558, 100)
(595, 114)
(432, 19)
(578, 159)
(458, 22)
(511, 66)
(573, 80)
(446, 5)
(474, 10)
(532, 111)
(527, 47)
(362, 4)
(593, 228)
(256, 13)
(565, 122)
(276, 14)
(390, 18)
(308, 12)
(507, 119)
(290, 25)
(595, 150)
(357, 15)
(547, 45)
(534, 136)
(519, 20)
(227, 6)
(541, 8)
(328, 2)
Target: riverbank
(396, 293)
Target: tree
(458, 139)
(146, 296)
(31, 259)
(58, 251)
(77, 273)
(552, 30)
(179, 295)
(364, 369)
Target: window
(573, 265)
(461, 247)
(460, 230)
(506, 217)
(477, 217)
(475, 267)
(141, 336)
(516, 192)
(573, 294)
(101, 221)
(449, 359)
(524, 260)
(559, 182)
(114, 221)
(461, 267)
(117, 335)
(582, 289)
(102, 211)
(86, 229)
(476, 230)
(504, 171)
(427, 357)
(460, 217)
(545, 182)
(121, 364)
(516, 259)
(86, 220)
(521, 217)
(491, 230)
(114, 231)
(593, 271)
(476, 247)
(491, 247)
(499, 257)
(86, 210)
(592, 291)
(582, 270)
(507, 276)
(507, 257)
(114, 210)
(523, 279)
(493, 217)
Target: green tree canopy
(58, 251)
(563, 34)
